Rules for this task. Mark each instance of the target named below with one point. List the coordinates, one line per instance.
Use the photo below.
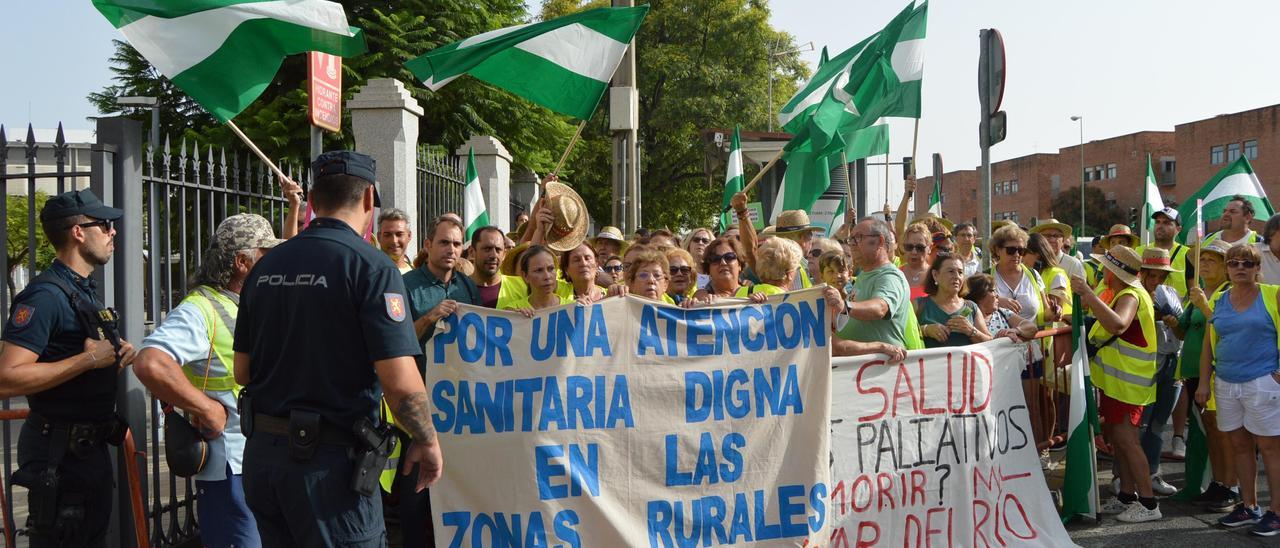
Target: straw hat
(1051, 224)
(1123, 262)
(609, 233)
(769, 231)
(997, 225)
(793, 221)
(1217, 246)
(951, 227)
(1157, 258)
(508, 265)
(1120, 230)
(569, 217)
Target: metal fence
(441, 184)
(173, 199)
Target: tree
(1100, 214)
(16, 247)
(700, 64)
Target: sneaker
(1212, 492)
(1114, 506)
(1137, 513)
(1161, 487)
(1269, 526)
(1241, 515)
(1177, 449)
(1225, 501)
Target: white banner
(632, 423)
(937, 451)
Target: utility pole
(624, 121)
(991, 127)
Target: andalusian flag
(733, 179)
(564, 64)
(837, 220)
(935, 199)
(474, 214)
(1152, 203)
(1237, 179)
(1080, 484)
(224, 53)
(809, 173)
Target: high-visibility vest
(1038, 284)
(1252, 237)
(1122, 370)
(767, 289)
(1268, 292)
(388, 475)
(1093, 274)
(220, 317)
(1049, 274)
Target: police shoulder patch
(395, 306)
(22, 314)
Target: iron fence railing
(441, 186)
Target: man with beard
(63, 352)
(1236, 218)
(488, 246)
(1167, 226)
(394, 237)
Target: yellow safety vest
(1252, 237)
(220, 316)
(767, 289)
(1038, 284)
(1121, 370)
(1051, 273)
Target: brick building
(1024, 188)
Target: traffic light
(1133, 218)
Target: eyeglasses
(815, 253)
(945, 250)
(1015, 250)
(701, 240)
(678, 270)
(1241, 263)
(103, 223)
(613, 269)
(646, 276)
(918, 248)
(726, 258)
(857, 238)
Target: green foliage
(700, 64)
(16, 247)
(1100, 215)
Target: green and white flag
(564, 64)
(224, 53)
(474, 214)
(1080, 483)
(935, 199)
(837, 220)
(1237, 179)
(809, 173)
(1152, 202)
(733, 179)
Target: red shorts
(1114, 411)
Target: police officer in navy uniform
(322, 333)
(62, 350)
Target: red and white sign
(324, 72)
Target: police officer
(322, 332)
(62, 350)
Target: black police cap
(78, 202)
(344, 162)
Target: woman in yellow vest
(1123, 368)
(1246, 320)
(682, 274)
(646, 274)
(580, 268)
(723, 261)
(539, 268)
(777, 261)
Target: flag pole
(915, 140)
(256, 150)
(760, 174)
(848, 184)
(568, 149)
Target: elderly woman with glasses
(696, 242)
(817, 248)
(612, 269)
(1018, 288)
(723, 262)
(646, 274)
(681, 274)
(916, 244)
(1246, 382)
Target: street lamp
(1080, 120)
(772, 55)
(150, 103)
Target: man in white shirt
(966, 251)
(1236, 218)
(1056, 233)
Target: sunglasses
(1015, 250)
(945, 250)
(1241, 263)
(701, 240)
(613, 269)
(646, 276)
(918, 248)
(678, 270)
(815, 253)
(103, 223)
(727, 258)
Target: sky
(1124, 66)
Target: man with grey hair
(878, 315)
(395, 237)
(187, 361)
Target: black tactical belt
(280, 426)
(84, 433)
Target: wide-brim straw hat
(997, 225)
(508, 264)
(1120, 230)
(793, 221)
(1157, 258)
(1217, 246)
(569, 217)
(951, 227)
(609, 233)
(1051, 224)
(1123, 262)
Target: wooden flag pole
(760, 174)
(256, 150)
(574, 141)
(848, 184)
(915, 140)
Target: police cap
(344, 162)
(78, 202)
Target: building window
(1168, 167)
(973, 194)
(996, 189)
(1251, 149)
(1111, 171)
(1217, 155)
(1015, 186)
(1233, 152)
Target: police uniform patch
(395, 306)
(22, 315)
